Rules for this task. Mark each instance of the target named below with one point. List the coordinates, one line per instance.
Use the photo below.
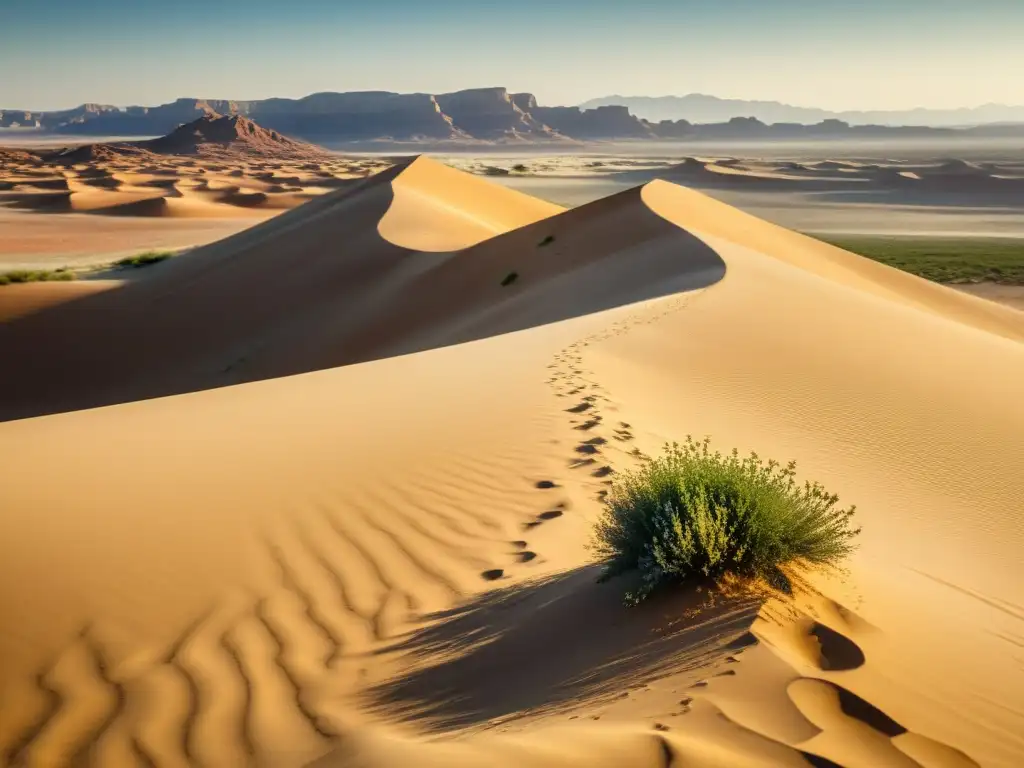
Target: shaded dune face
(382, 561)
(318, 288)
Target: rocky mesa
(484, 114)
(492, 115)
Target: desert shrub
(35, 275)
(546, 241)
(510, 278)
(143, 259)
(520, 168)
(692, 513)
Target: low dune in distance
(93, 212)
(207, 179)
(320, 494)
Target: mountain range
(701, 108)
(489, 115)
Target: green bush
(692, 513)
(35, 275)
(144, 259)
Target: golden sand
(336, 505)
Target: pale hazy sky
(835, 54)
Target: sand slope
(383, 563)
(208, 179)
(318, 287)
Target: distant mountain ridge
(701, 108)
(486, 115)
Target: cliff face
(358, 116)
(491, 113)
(525, 101)
(672, 129)
(14, 118)
(97, 120)
(601, 123)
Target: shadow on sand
(561, 639)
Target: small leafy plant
(694, 514)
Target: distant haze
(829, 54)
(700, 108)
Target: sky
(833, 54)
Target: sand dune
(216, 168)
(383, 563)
(230, 192)
(281, 299)
(22, 300)
(943, 181)
(51, 219)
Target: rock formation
(486, 114)
(212, 135)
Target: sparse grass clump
(35, 275)
(694, 514)
(143, 259)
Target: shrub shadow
(560, 639)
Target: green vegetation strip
(144, 259)
(65, 273)
(944, 260)
(35, 276)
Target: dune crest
(381, 559)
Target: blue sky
(837, 54)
